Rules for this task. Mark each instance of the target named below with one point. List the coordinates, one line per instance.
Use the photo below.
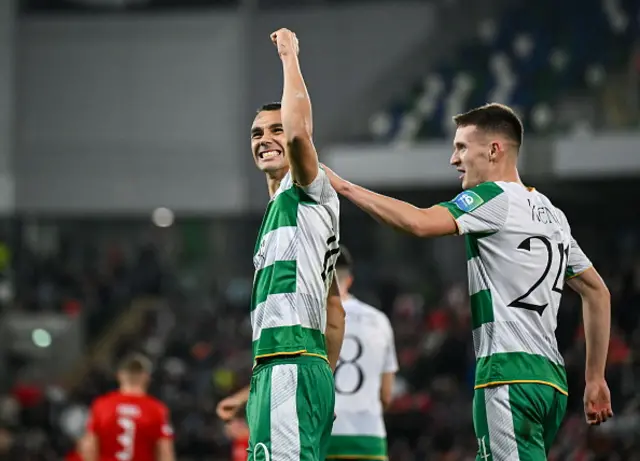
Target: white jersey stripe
(501, 337)
(280, 310)
(477, 276)
(280, 245)
(285, 436)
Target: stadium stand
(536, 57)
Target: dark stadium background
(129, 202)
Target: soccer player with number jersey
(296, 313)
(364, 376)
(129, 425)
(520, 252)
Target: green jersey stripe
(454, 210)
(278, 278)
(472, 247)
(282, 211)
(481, 308)
(519, 367)
(357, 446)
(472, 243)
(488, 191)
(289, 339)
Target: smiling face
(471, 156)
(268, 141)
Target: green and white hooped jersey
(294, 259)
(519, 253)
(368, 351)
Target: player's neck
(273, 180)
(132, 390)
(345, 296)
(507, 175)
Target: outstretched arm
(228, 407)
(421, 222)
(296, 111)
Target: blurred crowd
(199, 342)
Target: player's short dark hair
(269, 107)
(494, 117)
(135, 364)
(345, 260)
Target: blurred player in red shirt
(129, 425)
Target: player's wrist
(289, 60)
(594, 376)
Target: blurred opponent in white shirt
(364, 376)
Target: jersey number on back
(563, 253)
(346, 363)
(329, 260)
(126, 438)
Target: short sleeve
(482, 209)
(321, 190)
(165, 428)
(390, 357)
(577, 261)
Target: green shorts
(290, 409)
(517, 422)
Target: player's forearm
(89, 455)
(386, 389)
(88, 448)
(165, 450)
(334, 332)
(296, 104)
(242, 396)
(596, 310)
(396, 213)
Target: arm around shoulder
(422, 222)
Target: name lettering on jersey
(468, 201)
(127, 410)
(542, 214)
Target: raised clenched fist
(286, 42)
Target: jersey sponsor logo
(468, 201)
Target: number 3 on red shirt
(126, 438)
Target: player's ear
(494, 148)
(348, 282)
